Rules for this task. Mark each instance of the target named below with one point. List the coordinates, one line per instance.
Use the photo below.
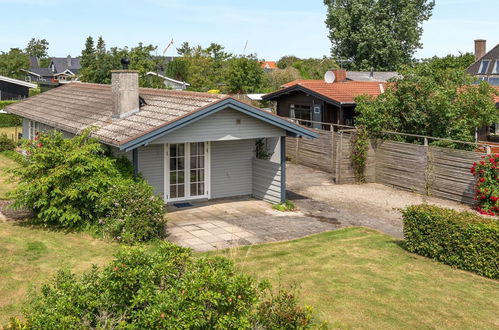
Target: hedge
(7, 119)
(460, 239)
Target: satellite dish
(329, 77)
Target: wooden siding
(231, 168)
(267, 180)
(224, 125)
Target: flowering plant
(487, 184)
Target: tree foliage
(277, 78)
(431, 101)
(243, 75)
(38, 48)
(376, 34)
(13, 62)
(309, 68)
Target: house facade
(312, 102)
(61, 70)
(187, 145)
(14, 89)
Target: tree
(13, 63)
(178, 69)
(277, 78)
(243, 75)
(287, 61)
(376, 34)
(443, 103)
(217, 52)
(37, 48)
(184, 49)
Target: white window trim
(496, 68)
(482, 64)
(187, 186)
(33, 129)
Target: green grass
(5, 184)
(30, 256)
(11, 131)
(359, 278)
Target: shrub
(164, 288)
(487, 184)
(6, 144)
(461, 239)
(10, 120)
(284, 207)
(134, 213)
(72, 183)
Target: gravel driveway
(372, 205)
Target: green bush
(461, 239)
(164, 288)
(134, 213)
(486, 173)
(72, 183)
(6, 143)
(10, 120)
(285, 207)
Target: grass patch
(6, 162)
(359, 278)
(30, 256)
(11, 132)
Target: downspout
(283, 169)
(135, 161)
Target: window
(33, 129)
(496, 68)
(301, 112)
(494, 81)
(484, 66)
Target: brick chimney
(480, 48)
(125, 91)
(340, 75)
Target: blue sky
(272, 28)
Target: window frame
(483, 66)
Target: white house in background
(187, 145)
(169, 82)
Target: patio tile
(212, 239)
(244, 234)
(227, 236)
(203, 247)
(201, 233)
(194, 241)
(207, 225)
(217, 231)
(190, 227)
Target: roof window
(484, 66)
(496, 68)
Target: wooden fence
(423, 169)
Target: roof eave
(288, 126)
(303, 89)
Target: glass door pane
(197, 169)
(177, 170)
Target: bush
(71, 183)
(487, 185)
(10, 120)
(461, 239)
(164, 288)
(134, 213)
(6, 144)
(284, 207)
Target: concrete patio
(234, 222)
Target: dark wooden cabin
(14, 89)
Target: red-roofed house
(321, 101)
(268, 65)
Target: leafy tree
(287, 61)
(378, 34)
(442, 103)
(184, 49)
(88, 53)
(13, 63)
(178, 69)
(217, 52)
(309, 68)
(277, 78)
(244, 75)
(201, 75)
(37, 48)
(461, 62)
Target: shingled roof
(338, 92)
(76, 106)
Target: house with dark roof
(61, 70)
(14, 89)
(187, 145)
(332, 101)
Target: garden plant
(486, 172)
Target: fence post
(297, 149)
(333, 169)
(338, 158)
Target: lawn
(5, 185)
(31, 255)
(359, 278)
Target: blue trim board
(283, 169)
(295, 129)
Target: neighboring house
(187, 145)
(169, 82)
(331, 101)
(379, 76)
(61, 70)
(486, 65)
(268, 66)
(14, 89)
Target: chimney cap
(125, 62)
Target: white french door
(187, 171)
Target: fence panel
(402, 165)
(449, 174)
(316, 153)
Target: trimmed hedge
(7, 119)
(460, 239)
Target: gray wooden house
(187, 145)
